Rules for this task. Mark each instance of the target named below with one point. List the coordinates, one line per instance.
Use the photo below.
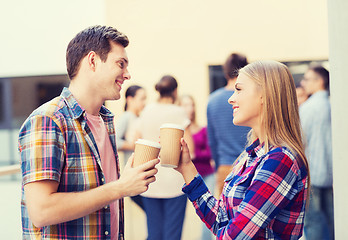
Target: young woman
(265, 194)
(135, 103)
(164, 201)
(126, 126)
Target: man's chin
(116, 97)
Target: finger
(183, 142)
(130, 161)
(184, 145)
(151, 172)
(150, 180)
(149, 165)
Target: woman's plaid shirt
(264, 197)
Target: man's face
(301, 95)
(311, 82)
(111, 74)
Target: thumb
(130, 161)
(184, 145)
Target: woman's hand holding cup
(186, 167)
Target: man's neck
(230, 84)
(166, 100)
(84, 96)
(319, 90)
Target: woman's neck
(258, 134)
(133, 110)
(194, 127)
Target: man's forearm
(58, 207)
(46, 206)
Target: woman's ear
(129, 99)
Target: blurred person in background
(203, 160)
(164, 203)
(315, 116)
(302, 96)
(71, 184)
(226, 140)
(265, 193)
(126, 125)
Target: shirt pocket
(234, 192)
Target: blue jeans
(319, 217)
(210, 182)
(165, 217)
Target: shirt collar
(320, 94)
(77, 109)
(256, 149)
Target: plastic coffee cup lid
(171, 125)
(148, 143)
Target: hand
(186, 167)
(136, 180)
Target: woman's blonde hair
(280, 121)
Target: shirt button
(103, 179)
(106, 232)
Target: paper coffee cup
(145, 150)
(170, 135)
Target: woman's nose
(231, 99)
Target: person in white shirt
(164, 201)
(126, 124)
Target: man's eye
(121, 64)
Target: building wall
(35, 34)
(184, 37)
(34, 37)
(338, 36)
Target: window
(297, 69)
(19, 96)
(2, 103)
(28, 93)
(216, 78)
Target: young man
(315, 114)
(72, 188)
(226, 140)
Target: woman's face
(139, 100)
(246, 102)
(188, 106)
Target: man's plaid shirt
(55, 143)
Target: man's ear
(91, 59)
(321, 82)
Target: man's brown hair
(95, 38)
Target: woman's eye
(121, 64)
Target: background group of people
(216, 146)
(253, 146)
